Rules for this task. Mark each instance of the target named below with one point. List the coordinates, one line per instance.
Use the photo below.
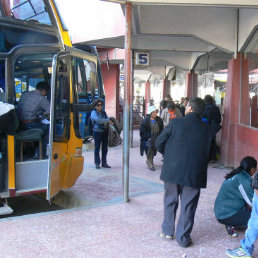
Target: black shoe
(152, 168)
(106, 166)
(231, 231)
(97, 166)
(186, 244)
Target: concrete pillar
(111, 84)
(233, 110)
(244, 93)
(147, 95)
(191, 87)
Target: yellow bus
(35, 46)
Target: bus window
(85, 81)
(31, 10)
(61, 124)
(29, 70)
(85, 78)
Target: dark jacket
(185, 143)
(145, 130)
(212, 115)
(233, 195)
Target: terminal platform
(91, 219)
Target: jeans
(45, 129)
(251, 233)
(100, 138)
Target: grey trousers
(150, 156)
(189, 200)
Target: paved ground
(102, 226)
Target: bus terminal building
(199, 39)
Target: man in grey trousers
(185, 143)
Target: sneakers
(230, 231)
(97, 166)
(167, 237)
(237, 252)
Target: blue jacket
(100, 121)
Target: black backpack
(90, 127)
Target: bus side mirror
(81, 107)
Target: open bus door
(74, 74)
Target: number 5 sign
(142, 58)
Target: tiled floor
(103, 226)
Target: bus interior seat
(29, 135)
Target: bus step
(5, 209)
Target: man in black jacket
(185, 143)
(212, 116)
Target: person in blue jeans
(100, 122)
(247, 244)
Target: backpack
(114, 138)
(117, 125)
(90, 127)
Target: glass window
(251, 53)
(29, 70)
(62, 112)
(85, 78)
(30, 10)
(85, 91)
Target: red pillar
(231, 113)
(244, 93)
(147, 95)
(111, 84)
(191, 85)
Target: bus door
(59, 124)
(74, 75)
(3, 132)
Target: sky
(91, 19)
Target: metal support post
(127, 99)
(236, 34)
(131, 107)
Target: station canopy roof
(180, 32)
